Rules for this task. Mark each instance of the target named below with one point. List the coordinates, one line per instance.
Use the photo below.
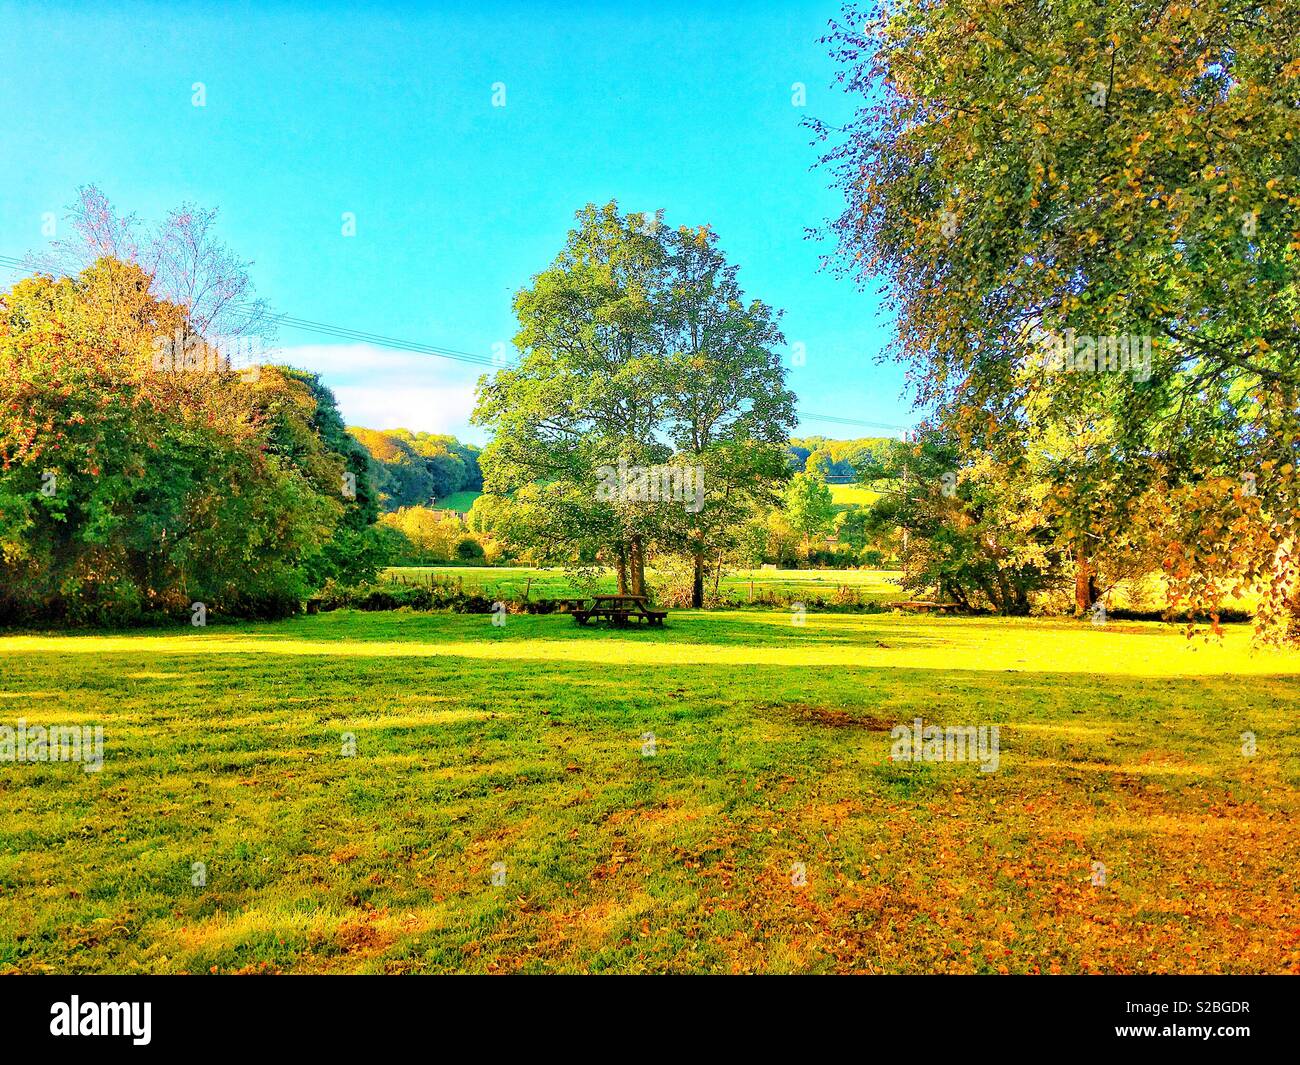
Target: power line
(851, 421)
(394, 343)
(324, 328)
(346, 333)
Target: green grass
(523, 745)
(510, 581)
(844, 494)
(460, 501)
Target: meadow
(458, 501)
(845, 495)
(418, 792)
(876, 586)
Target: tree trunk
(1085, 584)
(1022, 601)
(697, 585)
(1004, 593)
(636, 565)
(621, 569)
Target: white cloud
(385, 389)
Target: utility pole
(907, 439)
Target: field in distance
(511, 581)
(458, 501)
(842, 494)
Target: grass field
(844, 494)
(874, 585)
(764, 828)
(460, 501)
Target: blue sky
(386, 112)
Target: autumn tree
(127, 491)
(1093, 181)
(973, 529)
(431, 536)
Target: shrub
(469, 549)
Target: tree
(852, 528)
(126, 490)
(1049, 185)
(354, 553)
(974, 533)
(584, 393)
(725, 407)
(639, 356)
(821, 464)
(809, 506)
(187, 264)
(432, 536)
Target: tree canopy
(1087, 220)
(126, 490)
(640, 352)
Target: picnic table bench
(925, 605)
(619, 610)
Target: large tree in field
(586, 390)
(638, 349)
(725, 406)
(1117, 184)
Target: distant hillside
(435, 470)
(836, 460)
(415, 469)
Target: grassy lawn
(876, 585)
(525, 745)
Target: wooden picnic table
(926, 605)
(619, 610)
